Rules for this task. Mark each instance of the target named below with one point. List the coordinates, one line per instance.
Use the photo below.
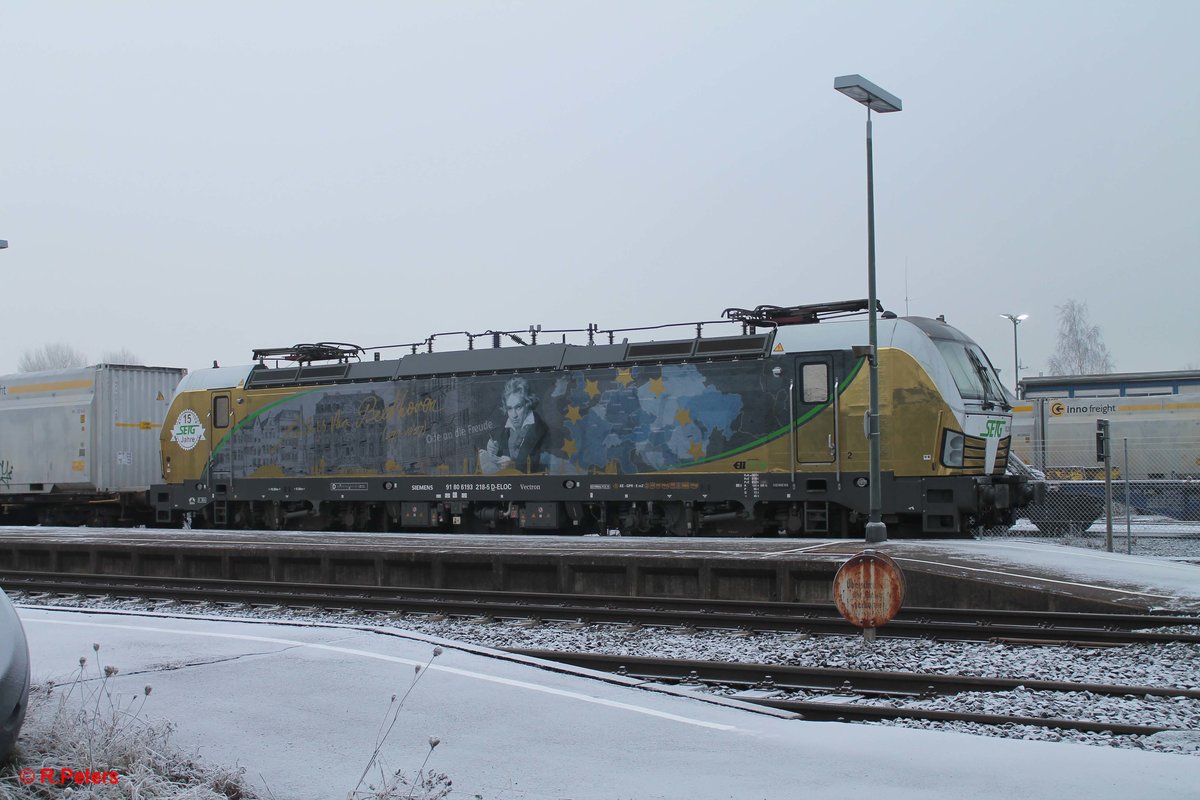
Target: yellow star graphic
(625, 376)
(592, 388)
(657, 387)
(573, 413)
(569, 447)
(683, 416)
(696, 450)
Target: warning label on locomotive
(188, 431)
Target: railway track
(809, 692)
(858, 695)
(1012, 627)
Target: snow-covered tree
(1081, 350)
(55, 355)
(122, 356)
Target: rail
(858, 695)
(943, 624)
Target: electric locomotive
(762, 432)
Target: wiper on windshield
(986, 379)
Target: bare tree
(55, 355)
(123, 356)
(1081, 350)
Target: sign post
(868, 591)
(1104, 456)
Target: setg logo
(188, 432)
(1057, 409)
(994, 429)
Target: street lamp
(1016, 320)
(863, 91)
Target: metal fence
(1150, 494)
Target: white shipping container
(88, 430)
(1159, 435)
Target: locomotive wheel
(272, 517)
(676, 517)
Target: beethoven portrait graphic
(519, 445)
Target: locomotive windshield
(974, 375)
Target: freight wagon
(80, 446)
(1155, 446)
(1160, 434)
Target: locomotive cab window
(220, 413)
(814, 383)
(973, 373)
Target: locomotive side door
(815, 433)
(221, 458)
(220, 453)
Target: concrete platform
(950, 574)
(300, 708)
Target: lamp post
(1016, 319)
(863, 91)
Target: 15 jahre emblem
(188, 432)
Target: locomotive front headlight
(952, 449)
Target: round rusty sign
(868, 589)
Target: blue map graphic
(645, 419)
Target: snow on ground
(299, 705)
(1140, 534)
(1173, 579)
(1173, 665)
(1176, 665)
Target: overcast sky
(191, 181)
